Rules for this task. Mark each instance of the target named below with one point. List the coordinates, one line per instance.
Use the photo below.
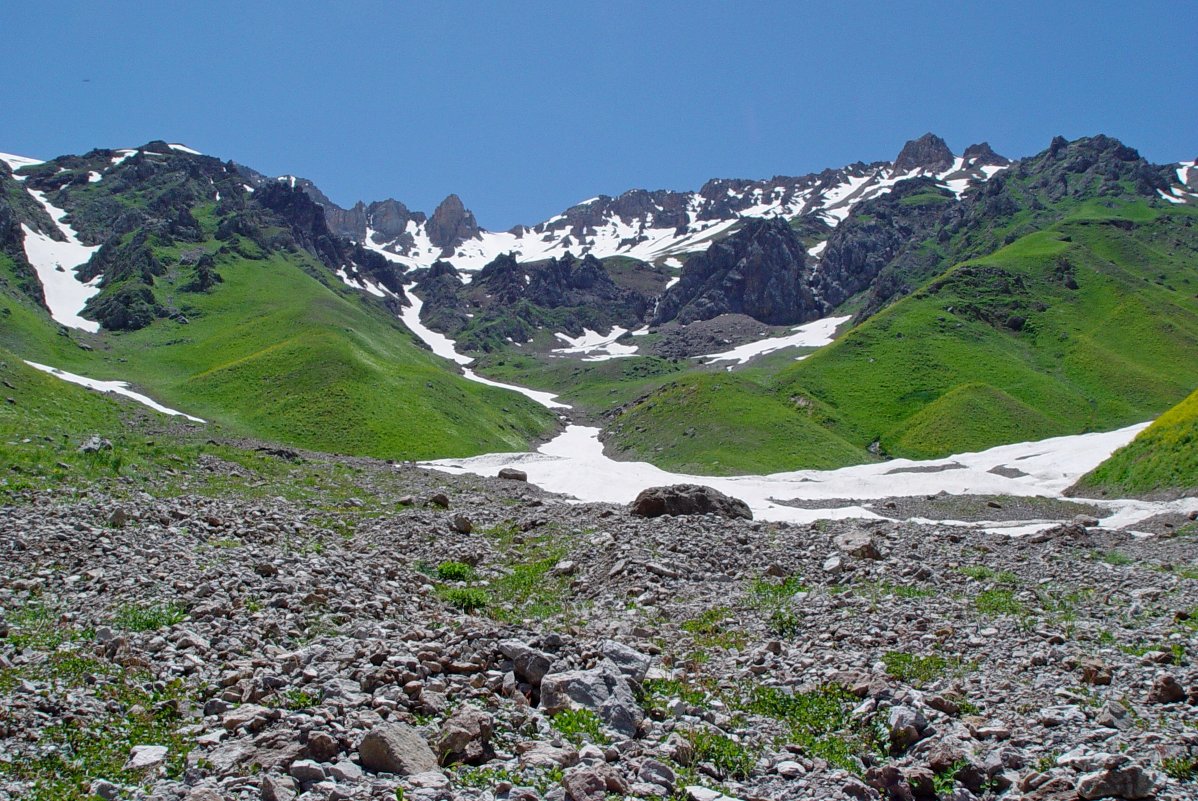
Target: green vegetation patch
(1162, 461)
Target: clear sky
(526, 108)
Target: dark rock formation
(451, 225)
(688, 499)
(979, 154)
(929, 152)
(759, 271)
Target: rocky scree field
(251, 622)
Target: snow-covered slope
(55, 261)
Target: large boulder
(688, 499)
(603, 690)
(396, 748)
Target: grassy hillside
(1090, 325)
(1162, 462)
(273, 352)
(724, 424)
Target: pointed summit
(451, 224)
(928, 152)
(982, 154)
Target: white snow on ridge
(597, 347)
(573, 463)
(17, 162)
(55, 264)
(115, 387)
(810, 335)
(185, 149)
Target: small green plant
(944, 781)
(784, 623)
(998, 602)
(764, 592)
(1182, 769)
(921, 669)
(579, 726)
(468, 599)
(148, 616)
(728, 758)
(296, 699)
(976, 572)
(709, 629)
(456, 571)
(1115, 558)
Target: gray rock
(512, 474)
(1121, 778)
(603, 690)
(95, 444)
(146, 757)
(307, 771)
(396, 748)
(462, 524)
(277, 788)
(631, 662)
(345, 772)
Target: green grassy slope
(1089, 325)
(274, 353)
(1161, 462)
(724, 424)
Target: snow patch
(573, 463)
(810, 335)
(17, 162)
(115, 387)
(597, 347)
(55, 264)
(185, 149)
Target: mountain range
(979, 300)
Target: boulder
(512, 474)
(466, 737)
(396, 748)
(603, 690)
(688, 499)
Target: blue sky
(526, 108)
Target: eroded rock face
(688, 499)
(760, 271)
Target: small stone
(277, 788)
(462, 524)
(307, 771)
(439, 499)
(146, 757)
(1165, 690)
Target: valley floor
(281, 625)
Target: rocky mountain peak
(451, 224)
(982, 153)
(928, 152)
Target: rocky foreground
(341, 629)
